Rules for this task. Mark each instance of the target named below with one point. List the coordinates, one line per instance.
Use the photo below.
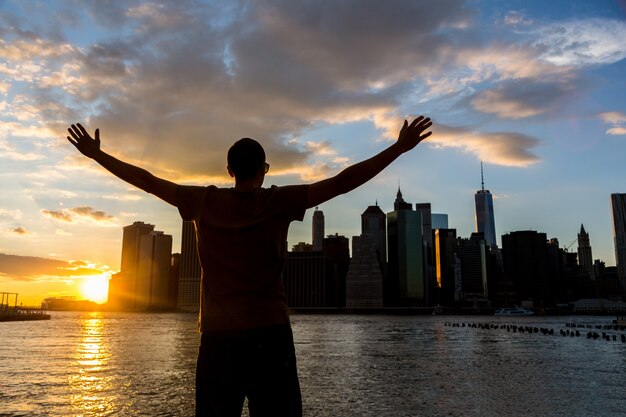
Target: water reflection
(90, 380)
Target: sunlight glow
(95, 288)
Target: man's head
(246, 159)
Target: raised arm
(136, 176)
(358, 174)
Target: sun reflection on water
(90, 380)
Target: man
(246, 347)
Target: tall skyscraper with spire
(405, 281)
(585, 259)
(485, 222)
(618, 208)
(318, 229)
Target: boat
(15, 313)
(620, 321)
(513, 311)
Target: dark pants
(259, 364)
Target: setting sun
(95, 288)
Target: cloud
(11, 214)
(9, 152)
(62, 215)
(617, 120)
(523, 98)
(500, 148)
(20, 231)
(80, 213)
(583, 42)
(267, 70)
(31, 268)
(90, 213)
(180, 82)
(517, 18)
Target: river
(133, 364)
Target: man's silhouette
(247, 347)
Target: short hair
(245, 158)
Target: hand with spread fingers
(81, 139)
(412, 134)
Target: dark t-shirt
(242, 245)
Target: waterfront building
(155, 257)
(317, 279)
(445, 245)
(190, 270)
(405, 282)
(439, 221)
(304, 278)
(374, 224)
(585, 259)
(472, 256)
(364, 281)
(123, 285)
(318, 229)
(485, 222)
(427, 248)
(525, 261)
(336, 250)
(618, 209)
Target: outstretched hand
(412, 134)
(83, 141)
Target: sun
(95, 288)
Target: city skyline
(533, 89)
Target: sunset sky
(534, 89)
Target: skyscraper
(405, 282)
(123, 288)
(618, 208)
(525, 261)
(374, 224)
(585, 259)
(190, 270)
(318, 229)
(439, 221)
(485, 222)
(155, 258)
(364, 282)
(445, 245)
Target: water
(124, 364)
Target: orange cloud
(32, 268)
(77, 213)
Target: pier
(15, 313)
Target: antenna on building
(482, 178)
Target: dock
(15, 313)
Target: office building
(405, 282)
(485, 222)
(304, 278)
(445, 245)
(318, 229)
(190, 270)
(123, 285)
(472, 255)
(439, 221)
(364, 282)
(525, 261)
(155, 258)
(317, 279)
(374, 224)
(618, 209)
